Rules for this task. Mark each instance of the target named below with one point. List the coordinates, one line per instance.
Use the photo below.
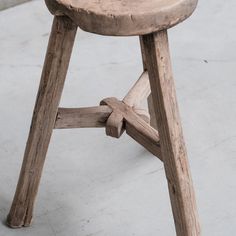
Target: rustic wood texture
(95, 117)
(123, 17)
(114, 17)
(85, 117)
(171, 138)
(143, 113)
(139, 91)
(136, 127)
(115, 125)
(145, 135)
(143, 53)
(50, 89)
(151, 109)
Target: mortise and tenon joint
(117, 116)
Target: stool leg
(151, 109)
(45, 111)
(171, 138)
(149, 100)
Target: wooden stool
(150, 20)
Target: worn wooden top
(123, 17)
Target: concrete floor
(95, 185)
(4, 4)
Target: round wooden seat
(123, 17)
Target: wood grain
(45, 111)
(123, 17)
(136, 127)
(114, 17)
(115, 125)
(85, 117)
(151, 109)
(171, 137)
(142, 113)
(139, 91)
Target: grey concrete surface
(4, 4)
(92, 184)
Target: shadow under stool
(148, 19)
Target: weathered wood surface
(115, 125)
(123, 17)
(86, 117)
(45, 111)
(171, 138)
(139, 91)
(144, 134)
(136, 127)
(114, 17)
(143, 113)
(151, 110)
